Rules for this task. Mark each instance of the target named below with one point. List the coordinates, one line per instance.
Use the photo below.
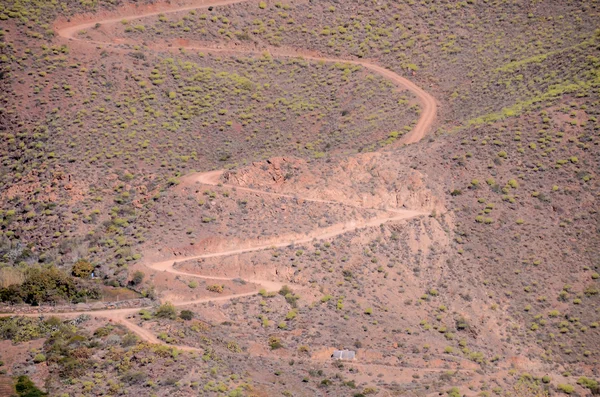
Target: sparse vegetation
(98, 141)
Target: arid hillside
(205, 197)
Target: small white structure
(343, 355)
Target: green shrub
(166, 310)
(590, 384)
(103, 331)
(26, 388)
(48, 284)
(274, 343)
(326, 298)
(568, 389)
(137, 278)
(146, 315)
(285, 290)
(292, 299)
(454, 392)
(39, 358)
(186, 315)
(215, 288)
(82, 269)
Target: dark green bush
(26, 388)
(166, 310)
(285, 290)
(137, 278)
(48, 284)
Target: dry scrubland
(100, 136)
(472, 56)
(494, 292)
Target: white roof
(344, 354)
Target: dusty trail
(427, 117)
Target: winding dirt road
(428, 104)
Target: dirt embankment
(362, 181)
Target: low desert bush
(166, 310)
